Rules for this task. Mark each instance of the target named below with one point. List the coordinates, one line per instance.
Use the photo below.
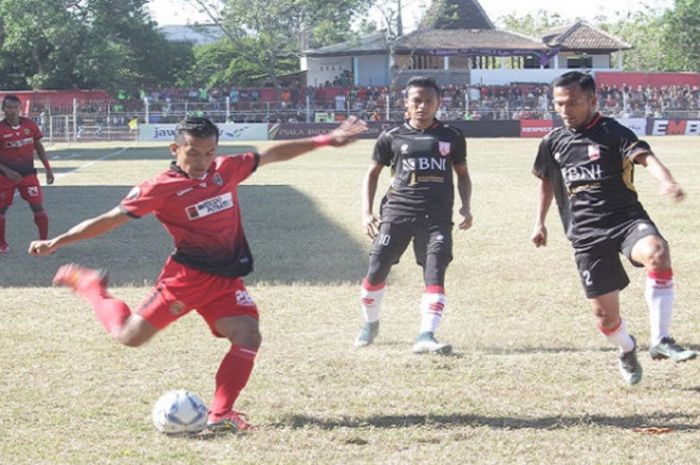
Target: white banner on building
(637, 125)
(228, 132)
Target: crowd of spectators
(376, 103)
(519, 101)
(645, 101)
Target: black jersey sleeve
(631, 147)
(542, 168)
(382, 150)
(459, 151)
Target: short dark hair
(196, 126)
(583, 80)
(423, 81)
(10, 98)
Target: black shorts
(600, 267)
(428, 238)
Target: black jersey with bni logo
(421, 163)
(592, 175)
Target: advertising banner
(673, 127)
(505, 128)
(469, 128)
(227, 132)
(279, 131)
(535, 127)
(637, 125)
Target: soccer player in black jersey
(422, 154)
(587, 165)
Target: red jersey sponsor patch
(17, 144)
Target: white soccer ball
(178, 412)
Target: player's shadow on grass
(656, 420)
(292, 241)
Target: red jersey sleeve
(36, 132)
(141, 200)
(239, 167)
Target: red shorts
(29, 189)
(180, 289)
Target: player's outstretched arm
(348, 131)
(464, 188)
(669, 186)
(544, 200)
(85, 230)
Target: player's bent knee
(657, 256)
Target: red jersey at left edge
(202, 215)
(17, 145)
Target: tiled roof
(582, 36)
(469, 39)
(455, 14)
(365, 45)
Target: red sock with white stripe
(371, 297)
(231, 378)
(432, 306)
(619, 336)
(659, 293)
(41, 220)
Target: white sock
(371, 297)
(659, 294)
(618, 336)
(432, 306)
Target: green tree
(643, 30)
(533, 25)
(34, 36)
(682, 35)
(270, 35)
(58, 44)
(222, 63)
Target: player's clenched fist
(41, 248)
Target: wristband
(321, 140)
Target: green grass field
(532, 382)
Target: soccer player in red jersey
(19, 138)
(197, 202)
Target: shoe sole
(445, 350)
(659, 356)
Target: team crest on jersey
(27, 132)
(244, 299)
(176, 307)
(557, 156)
(210, 206)
(133, 193)
(404, 149)
(444, 148)
(594, 152)
(216, 179)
